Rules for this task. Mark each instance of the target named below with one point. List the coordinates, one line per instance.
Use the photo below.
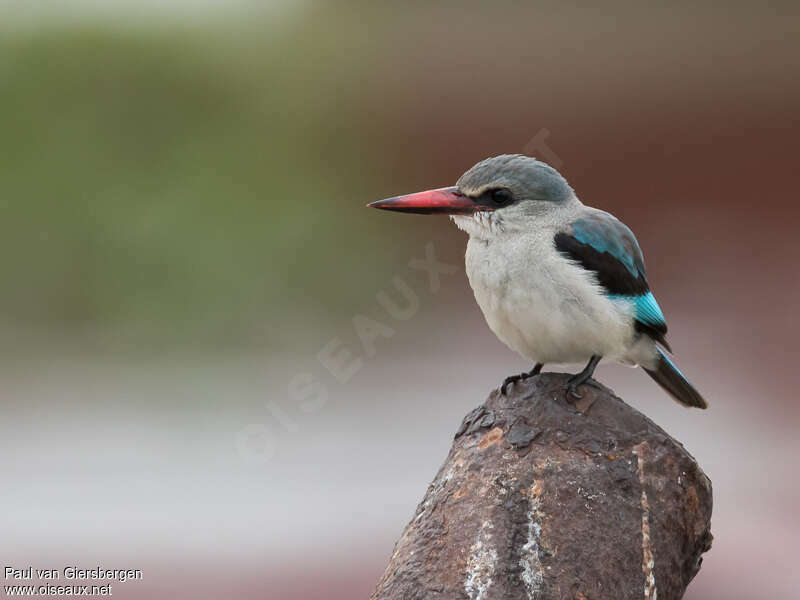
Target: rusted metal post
(542, 498)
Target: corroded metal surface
(542, 498)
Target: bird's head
(501, 193)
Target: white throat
(483, 225)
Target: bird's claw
(572, 390)
(537, 368)
(509, 381)
(573, 385)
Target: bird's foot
(512, 379)
(572, 388)
(574, 382)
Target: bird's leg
(537, 368)
(578, 380)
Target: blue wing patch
(600, 243)
(612, 237)
(607, 248)
(648, 311)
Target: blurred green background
(181, 187)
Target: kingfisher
(556, 280)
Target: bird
(556, 280)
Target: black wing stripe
(656, 332)
(612, 274)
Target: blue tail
(669, 377)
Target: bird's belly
(548, 314)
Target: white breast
(541, 304)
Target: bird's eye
(501, 197)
